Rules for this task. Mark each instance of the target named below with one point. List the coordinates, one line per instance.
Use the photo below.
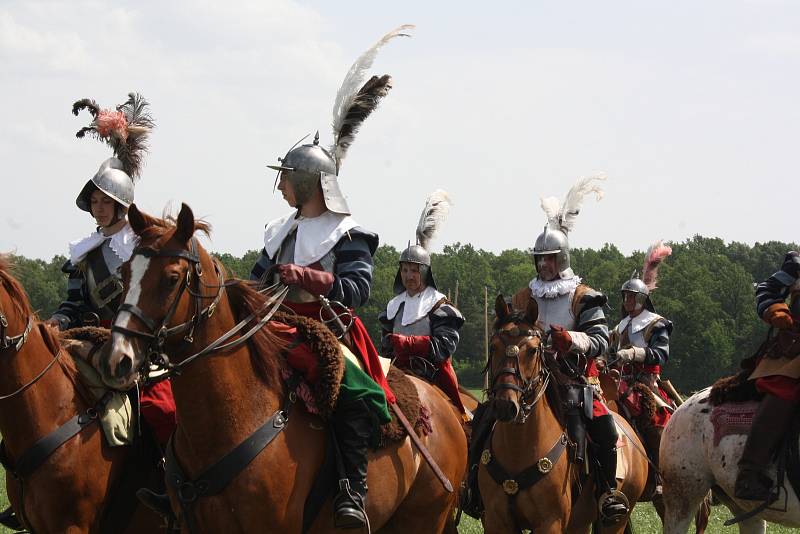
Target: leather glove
(632, 354)
(410, 345)
(560, 338)
(314, 281)
(791, 264)
(778, 315)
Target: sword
(401, 417)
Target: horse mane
(22, 305)
(16, 292)
(161, 230)
(266, 345)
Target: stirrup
(612, 499)
(349, 512)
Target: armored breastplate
(555, 311)
(421, 327)
(629, 338)
(103, 282)
(286, 255)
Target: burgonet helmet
(437, 206)
(310, 166)
(642, 287)
(561, 220)
(126, 130)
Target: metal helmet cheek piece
(126, 130)
(310, 166)
(561, 220)
(437, 206)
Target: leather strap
(527, 478)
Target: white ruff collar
(416, 307)
(122, 244)
(554, 288)
(638, 323)
(315, 236)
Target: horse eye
(174, 279)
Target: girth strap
(37, 453)
(217, 477)
(527, 478)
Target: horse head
(16, 315)
(171, 284)
(516, 365)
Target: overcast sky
(690, 107)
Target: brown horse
(69, 490)
(541, 490)
(223, 398)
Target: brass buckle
(98, 298)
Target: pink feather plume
(110, 122)
(657, 252)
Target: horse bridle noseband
(6, 341)
(526, 387)
(160, 332)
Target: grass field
(645, 521)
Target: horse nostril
(124, 367)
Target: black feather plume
(365, 102)
(85, 103)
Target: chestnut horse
(542, 489)
(39, 392)
(224, 397)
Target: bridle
(530, 388)
(16, 343)
(160, 331)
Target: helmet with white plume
(126, 130)
(642, 287)
(437, 206)
(561, 220)
(310, 166)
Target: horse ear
(185, 229)
(501, 307)
(137, 219)
(532, 311)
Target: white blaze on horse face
(120, 342)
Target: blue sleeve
(352, 271)
(446, 320)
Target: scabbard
(423, 450)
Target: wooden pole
(486, 334)
(455, 302)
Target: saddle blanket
(731, 419)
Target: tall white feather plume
(552, 208)
(354, 79)
(437, 206)
(572, 204)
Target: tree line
(706, 288)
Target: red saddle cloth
(633, 402)
(732, 419)
(364, 348)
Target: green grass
(646, 521)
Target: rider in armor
(420, 326)
(776, 376)
(325, 257)
(572, 314)
(639, 345)
(94, 285)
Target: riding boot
(769, 423)
(482, 423)
(353, 426)
(613, 503)
(652, 444)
